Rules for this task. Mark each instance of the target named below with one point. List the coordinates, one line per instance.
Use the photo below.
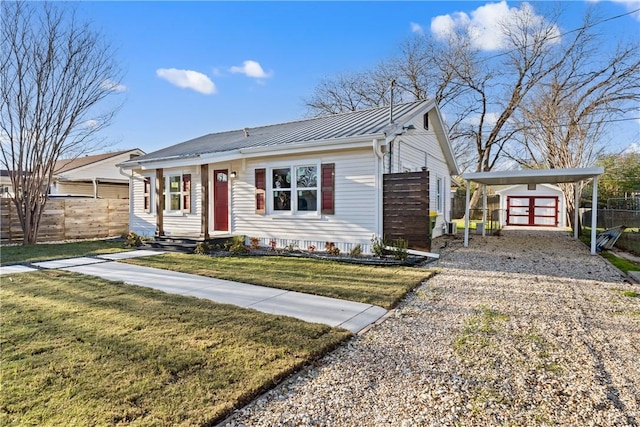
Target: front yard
(78, 350)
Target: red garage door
(532, 210)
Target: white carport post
(576, 203)
(466, 215)
(594, 214)
(484, 209)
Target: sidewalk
(353, 316)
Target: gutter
(250, 152)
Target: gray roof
(352, 124)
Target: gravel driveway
(522, 329)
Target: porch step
(184, 245)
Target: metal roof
(533, 176)
(338, 126)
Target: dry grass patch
(77, 350)
(382, 286)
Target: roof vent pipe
(246, 132)
(393, 84)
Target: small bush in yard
(203, 248)
(133, 240)
(378, 246)
(255, 243)
(237, 246)
(331, 248)
(400, 249)
(356, 251)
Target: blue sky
(194, 68)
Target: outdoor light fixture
(233, 174)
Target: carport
(538, 176)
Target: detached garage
(541, 205)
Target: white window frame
(167, 194)
(293, 211)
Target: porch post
(576, 214)
(594, 214)
(484, 209)
(466, 215)
(204, 199)
(159, 204)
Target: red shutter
(186, 193)
(261, 186)
(147, 195)
(328, 184)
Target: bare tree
(566, 122)
(488, 97)
(54, 74)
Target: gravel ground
(522, 329)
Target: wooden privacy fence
(67, 219)
(406, 208)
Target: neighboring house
(95, 176)
(6, 188)
(301, 183)
(533, 205)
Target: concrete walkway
(353, 316)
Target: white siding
(141, 222)
(175, 224)
(420, 148)
(354, 221)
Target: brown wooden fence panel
(66, 219)
(406, 208)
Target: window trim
(185, 194)
(293, 210)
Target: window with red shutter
(186, 193)
(261, 187)
(147, 194)
(327, 191)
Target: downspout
(378, 185)
(95, 188)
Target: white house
(533, 205)
(303, 183)
(94, 176)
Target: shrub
(133, 240)
(331, 248)
(237, 246)
(378, 246)
(203, 248)
(255, 243)
(356, 251)
(400, 249)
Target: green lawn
(45, 252)
(78, 350)
(383, 286)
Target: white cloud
(416, 28)
(251, 69)
(485, 24)
(634, 147)
(109, 84)
(187, 79)
(91, 124)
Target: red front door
(221, 200)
